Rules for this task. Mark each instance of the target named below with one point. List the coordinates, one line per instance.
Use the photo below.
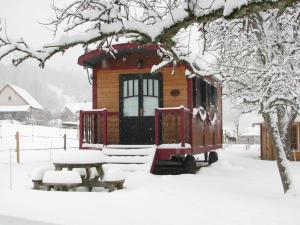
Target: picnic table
(83, 159)
(86, 159)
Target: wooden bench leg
(48, 188)
(119, 185)
(36, 186)
(110, 187)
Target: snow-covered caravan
(179, 114)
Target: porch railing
(93, 128)
(173, 126)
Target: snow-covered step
(130, 157)
(128, 152)
(129, 167)
(130, 146)
(127, 159)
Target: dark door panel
(139, 95)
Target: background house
(16, 103)
(250, 136)
(70, 112)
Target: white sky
(23, 19)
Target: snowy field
(239, 189)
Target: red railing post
(156, 128)
(80, 129)
(96, 128)
(182, 127)
(191, 127)
(104, 128)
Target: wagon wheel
(189, 164)
(213, 157)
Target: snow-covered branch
(85, 22)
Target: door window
(150, 98)
(140, 96)
(130, 98)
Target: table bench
(61, 180)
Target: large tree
(258, 57)
(97, 22)
(85, 22)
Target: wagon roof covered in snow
(24, 95)
(91, 58)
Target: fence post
(65, 142)
(18, 146)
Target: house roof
(24, 95)
(76, 107)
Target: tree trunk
(278, 148)
(285, 126)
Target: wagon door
(140, 94)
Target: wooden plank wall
(267, 147)
(108, 92)
(204, 133)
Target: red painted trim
(154, 162)
(191, 128)
(80, 128)
(190, 106)
(94, 89)
(119, 47)
(128, 67)
(156, 127)
(182, 127)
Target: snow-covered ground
(239, 189)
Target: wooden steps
(130, 157)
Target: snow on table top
(79, 157)
(62, 177)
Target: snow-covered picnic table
(86, 159)
(84, 169)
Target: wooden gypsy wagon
(180, 116)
